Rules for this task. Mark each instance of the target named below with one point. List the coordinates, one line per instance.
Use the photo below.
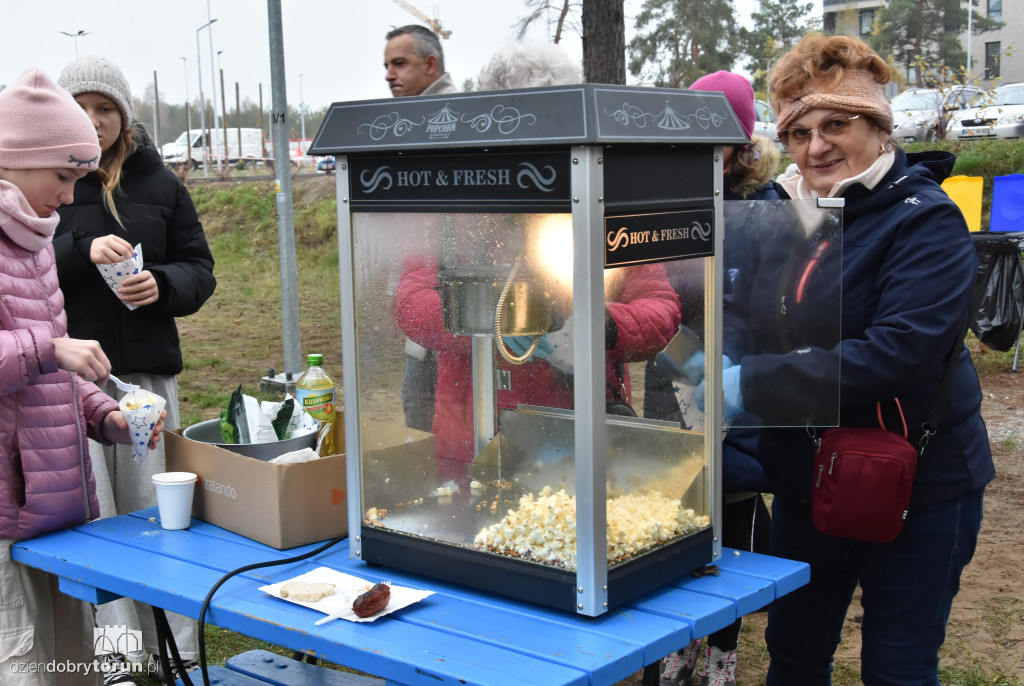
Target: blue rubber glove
(733, 403)
(693, 369)
(733, 396)
(520, 344)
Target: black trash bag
(998, 295)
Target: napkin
(141, 409)
(346, 589)
(114, 274)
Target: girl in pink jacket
(49, 404)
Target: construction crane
(434, 24)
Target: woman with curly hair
(908, 269)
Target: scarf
(20, 222)
(797, 188)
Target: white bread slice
(305, 591)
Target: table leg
(652, 674)
(165, 639)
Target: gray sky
(337, 45)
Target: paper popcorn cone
(142, 411)
(114, 274)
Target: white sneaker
(115, 671)
(677, 668)
(719, 668)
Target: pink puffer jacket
(46, 480)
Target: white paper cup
(174, 498)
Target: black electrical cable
(209, 598)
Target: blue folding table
(456, 636)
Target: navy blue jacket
(907, 283)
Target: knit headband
(857, 91)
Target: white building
(990, 65)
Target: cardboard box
(289, 505)
(283, 506)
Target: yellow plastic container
(965, 191)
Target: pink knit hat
(737, 91)
(42, 127)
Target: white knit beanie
(92, 74)
(42, 127)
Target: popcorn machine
(522, 241)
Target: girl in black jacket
(131, 200)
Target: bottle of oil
(314, 392)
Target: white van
(189, 146)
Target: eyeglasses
(832, 130)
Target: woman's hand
(86, 358)
(110, 249)
(139, 289)
(115, 428)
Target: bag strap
(881, 422)
(934, 417)
(938, 408)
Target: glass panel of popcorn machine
(440, 297)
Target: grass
(237, 336)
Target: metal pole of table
(1020, 327)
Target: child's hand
(84, 357)
(110, 249)
(139, 289)
(115, 428)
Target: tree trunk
(604, 41)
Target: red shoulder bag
(863, 478)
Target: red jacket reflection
(640, 299)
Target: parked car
(764, 122)
(325, 165)
(188, 148)
(1003, 118)
(923, 114)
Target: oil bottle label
(318, 404)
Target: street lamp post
(264, 141)
(202, 104)
(76, 36)
(188, 111)
(223, 109)
(213, 79)
(302, 118)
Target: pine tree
(924, 35)
(778, 26)
(678, 41)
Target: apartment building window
(830, 23)
(995, 10)
(992, 60)
(867, 19)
